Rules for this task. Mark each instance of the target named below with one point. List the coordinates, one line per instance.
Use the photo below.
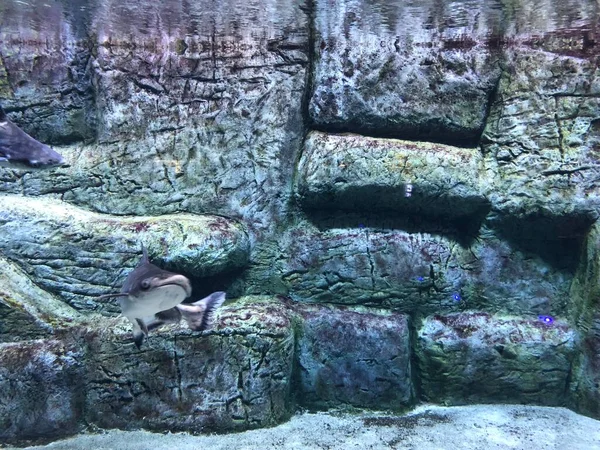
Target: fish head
(150, 289)
(150, 278)
(17, 148)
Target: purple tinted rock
(41, 390)
(413, 71)
(351, 357)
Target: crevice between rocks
(370, 257)
(177, 369)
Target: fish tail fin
(200, 315)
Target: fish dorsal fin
(144, 259)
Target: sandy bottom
(428, 427)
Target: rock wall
(418, 183)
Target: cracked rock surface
(356, 259)
(420, 72)
(235, 377)
(354, 357)
(42, 390)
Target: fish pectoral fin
(164, 317)
(140, 331)
(200, 315)
(138, 339)
(143, 326)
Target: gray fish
(17, 148)
(151, 297)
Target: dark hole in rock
(228, 282)
(427, 130)
(462, 229)
(558, 240)
(595, 126)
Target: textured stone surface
(355, 260)
(359, 174)
(79, 255)
(479, 358)
(358, 358)
(541, 135)
(421, 71)
(584, 310)
(45, 77)
(191, 109)
(236, 62)
(26, 311)
(235, 377)
(42, 390)
(196, 109)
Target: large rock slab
(41, 390)
(78, 254)
(213, 96)
(234, 377)
(479, 358)
(355, 358)
(417, 71)
(358, 261)
(26, 311)
(540, 144)
(361, 174)
(541, 134)
(201, 69)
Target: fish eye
(145, 284)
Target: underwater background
(400, 199)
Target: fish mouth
(174, 280)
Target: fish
(151, 297)
(18, 149)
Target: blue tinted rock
(352, 357)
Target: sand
(428, 427)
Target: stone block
(390, 71)
(79, 254)
(476, 357)
(41, 390)
(234, 377)
(353, 358)
(361, 174)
